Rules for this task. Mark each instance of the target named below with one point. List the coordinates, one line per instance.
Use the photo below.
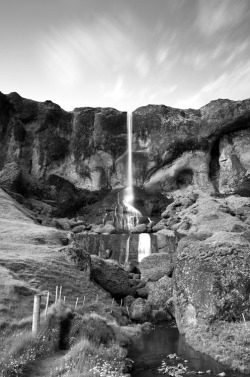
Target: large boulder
(211, 279)
(110, 276)
(209, 215)
(104, 229)
(140, 310)
(156, 265)
(79, 257)
(160, 292)
(166, 241)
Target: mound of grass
(91, 360)
(228, 343)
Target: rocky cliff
(74, 154)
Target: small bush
(92, 327)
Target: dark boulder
(110, 275)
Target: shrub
(92, 327)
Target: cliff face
(180, 147)
(46, 141)
(86, 149)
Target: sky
(125, 53)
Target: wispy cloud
(220, 87)
(214, 16)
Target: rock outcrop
(179, 147)
(110, 276)
(212, 279)
(72, 157)
(155, 266)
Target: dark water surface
(148, 350)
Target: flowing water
(129, 191)
(144, 246)
(148, 350)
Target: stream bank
(149, 349)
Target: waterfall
(127, 249)
(144, 246)
(129, 196)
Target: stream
(149, 349)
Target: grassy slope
(30, 262)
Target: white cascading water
(133, 214)
(129, 194)
(144, 246)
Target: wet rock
(147, 326)
(78, 228)
(110, 276)
(158, 227)
(104, 229)
(160, 315)
(139, 229)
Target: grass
(92, 360)
(96, 342)
(228, 343)
(95, 348)
(20, 348)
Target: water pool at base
(148, 350)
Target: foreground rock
(156, 265)
(160, 292)
(212, 279)
(140, 310)
(110, 276)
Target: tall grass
(96, 342)
(20, 348)
(90, 360)
(95, 345)
(228, 343)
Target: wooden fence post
(47, 305)
(36, 314)
(76, 303)
(60, 293)
(56, 294)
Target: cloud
(161, 55)
(231, 81)
(217, 15)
